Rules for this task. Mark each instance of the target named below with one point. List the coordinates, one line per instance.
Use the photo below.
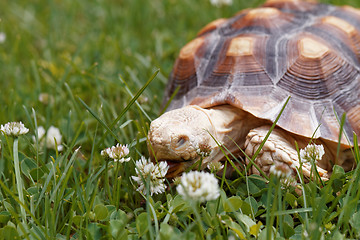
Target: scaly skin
(280, 149)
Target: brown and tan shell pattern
(258, 58)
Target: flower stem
(107, 185)
(280, 208)
(19, 182)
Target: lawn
(96, 71)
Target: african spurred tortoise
(234, 78)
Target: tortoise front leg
(278, 150)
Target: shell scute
(345, 34)
(212, 26)
(268, 18)
(239, 63)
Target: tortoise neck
(231, 124)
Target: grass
(93, 60)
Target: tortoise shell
(258, 58)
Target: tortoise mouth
(177, 167)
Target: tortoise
(232, 81)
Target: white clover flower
(40, 132)
(287, 182)
(280, 170)
(50, 138)
(176, 180)
(312, 152)
(53, 137)
(284, 174)
(145, 169)
(215, 166)
(2, 37)
(203, 150)
(198, 186)
(116, 153)
(219, 3)
(105, 153)
(14, 129)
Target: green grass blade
(65, 175)
(132, 96)
(6, 189)
(342, 122)
(350, 195)
(170, 99)
(132, 101)
(137, 95)
(19, 181)
(98, 119)
(58, 160)
(74, 103)
(356, 149)
(292, 211)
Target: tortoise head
(184, 136)
(179, 136)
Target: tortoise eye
(181, 141)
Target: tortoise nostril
(181, 141)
